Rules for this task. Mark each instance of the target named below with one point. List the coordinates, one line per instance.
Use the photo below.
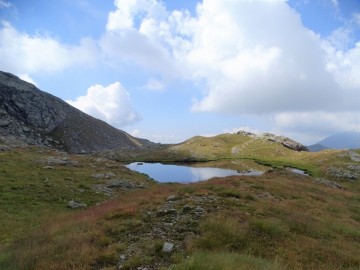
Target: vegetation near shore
(279, 220)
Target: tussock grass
(225, 261)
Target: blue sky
(169, 70)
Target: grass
(225, 261)
(275, 221)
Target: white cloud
(109, 103)
(335, 3)
(5, 4)
(23, 53)
(253, 57)
(247, 59)
(157, 137)
(135, 133)
(244, 128)
(27, 78)
(256, 61)
(154, 85)
(127, 11)
(313, 126)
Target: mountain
(344, 140)
(31, 116)
(316, 147)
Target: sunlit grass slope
(279, 220)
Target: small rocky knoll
(287, 142)
(32, 117)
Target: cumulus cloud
(23, 53)
(127, 38)
(250, 57)
(109, 103)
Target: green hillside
(279, 220)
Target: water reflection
(184, 174)
(298, 171)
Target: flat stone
(168, 247)
(74, 204)
(4, 123)
(121, 184)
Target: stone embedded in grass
(328, 183)
(74, 204)
(103, 175)
(171, 198)
(168, 247)
(121, 184)
(166, 212)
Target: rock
(354, 156)
(288, 143)
(103, 189)
(103, 175)
(168, 247)
(166, 212)
(4, 123)
(186, 209)
(121, 184)
(328, 183)
(74, 204)
(199, 210)
(246, 133)
(62, 161)
(341, 173)
(26, 129)
(171, 198)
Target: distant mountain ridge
(31, 116)
(344, 140)
(316, 147)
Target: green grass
(225, 261)
(275, 221)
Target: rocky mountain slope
(31, 116)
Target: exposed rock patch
(58, 161)
(328, 183)
(351, 173)
(75, 204)
(288, 143)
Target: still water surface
(166, 173)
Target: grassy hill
(279, 220)
(332, 164)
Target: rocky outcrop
(288, 143)
(31, 116)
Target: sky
(169, 70)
